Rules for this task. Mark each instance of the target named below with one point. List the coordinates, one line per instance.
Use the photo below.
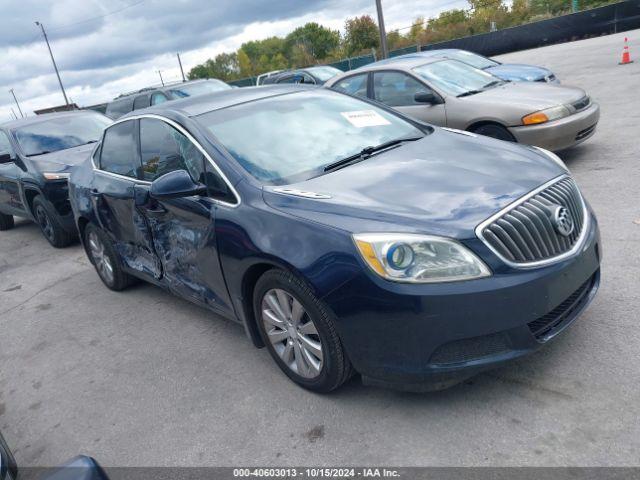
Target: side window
(119, 107)
(355, 85)
(396, 89)
(164, 149)
(119, 150)
(307, 79)
(5, 145)
(157, 98)
(141, 101)
(289, 79)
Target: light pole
(161, 80)
(17, 104)
(383, 33)
(64, 94)
(181, 70)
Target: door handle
(156, 211)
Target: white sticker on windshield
(365, 118)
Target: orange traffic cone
(626, 56)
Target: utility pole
(181, 70)
(64, 94)
(17, 104)
(383, 33)
(14, 114)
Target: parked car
(414, 255)
(78, 468)
(309, 76)
(513, 72)
(261, 78)
(153, 96)
(454, 94)
(37, 155)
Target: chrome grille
(525, 234)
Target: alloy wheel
(100, 258)
(292, 333)
(44, 223)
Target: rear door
(115, 186)
(398, 89)
(10, 197)
(183, 229)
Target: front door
(10, 198)
(398, 89)
(183, 229)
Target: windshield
(199, 88)
(60, 133)
(324, 73)
(292, 137)
(470, 58)
(455, 78)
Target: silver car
(453, 94)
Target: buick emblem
(563, 221)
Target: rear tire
(299, 332)
(105, 259)
(6, 222)
(494, 131)
(50, 225)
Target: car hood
(526, 97)
(445, 184)
(519, 72)
(62, 160)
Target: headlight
(419, 258)
(554, 157)
(546, 115)
(55, 176)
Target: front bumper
(430, 337)
(562, 133)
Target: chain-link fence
(604, 20)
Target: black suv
(36, 158)
(152, 96)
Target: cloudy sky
(105, 47)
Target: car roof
(22, 122)
(161, 88)
(193, 106)
(400, 63)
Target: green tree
(244, 64)
(317, 40)
(361, 33)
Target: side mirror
(5, 157)
(176, 184)
(426, 97)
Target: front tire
(494, 131)
(299, 332)
(105, 259)
(6, 222)
(49, 222)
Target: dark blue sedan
(344, 236)
(512, 72)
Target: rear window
(287, 138)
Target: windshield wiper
(44, 152)
(367, 152)
(470, 92)
(492, 84)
